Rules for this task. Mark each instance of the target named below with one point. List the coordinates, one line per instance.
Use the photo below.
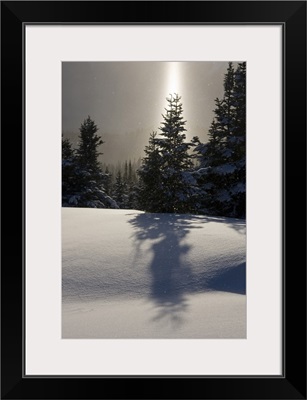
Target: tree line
(174, 176)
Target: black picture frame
(292, 16)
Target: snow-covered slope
(129, 274)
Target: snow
(224, 196)
(227, 153)
(129, 274)
(225, 169)
(238, 188)
(202, 171)
(73, 200)
(188, 178)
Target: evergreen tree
(131, 174)
(132, 202)
(88, 190)
(150, 184)
(68, 171)
(237, 143)
(88, 151)
(221, 175)
(131, 186)
(67, 150)
(126, 172)
(178, 186)
(108, 182)
(166, 182)
(128, 179)
(120, 191)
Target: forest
(174, 175)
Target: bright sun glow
(173, 78)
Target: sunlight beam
(173, 82)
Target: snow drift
(129, 274)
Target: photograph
(154, 200)
(159, 172)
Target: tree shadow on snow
(167, 267)
(232, 280)
(171, 276)
(239, 225)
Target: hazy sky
(126, 100)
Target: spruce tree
(88, 190)
(88, 151)
(108, 182)
(131, 186)
(68, 171)
(166, 181)
(125, 177)
(221, 175)
(177, 192)
(120, 195)
(238, 143)
(150, 184)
